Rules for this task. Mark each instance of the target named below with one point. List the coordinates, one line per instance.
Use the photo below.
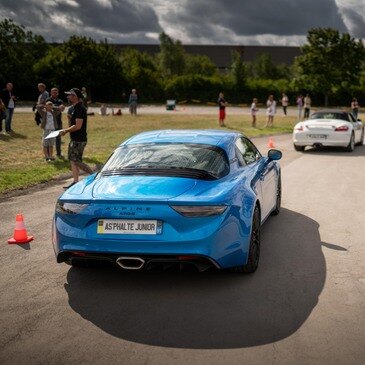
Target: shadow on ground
(213, 310)
(335, 151)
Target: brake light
(300, 128)
(199, 210)
(342, 128)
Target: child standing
(253, 112)
(49, 124)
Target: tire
(276, 211)
(299, 148)
(254, 250)
(351, 145)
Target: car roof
(220, 138)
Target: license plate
(129, 226)
(317, 136)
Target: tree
(264, 68)
(238, 72)
(171, 56)
(141, 73)
(19, 50)
(329, 62)
(199, 65)
(82, 62)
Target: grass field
(21, 159)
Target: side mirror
(274, 155)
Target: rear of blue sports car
(156, 204)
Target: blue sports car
(186, 197)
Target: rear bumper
(201, 263)
(339, 140)
(226, 247)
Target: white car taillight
(199, 211)
(299, 128)
(342, 128)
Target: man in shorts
(78, 134)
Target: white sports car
(334, 128)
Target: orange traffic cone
(271, 143)
(20, 233)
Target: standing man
(284, 103)
(42, 97)
(85, 99)
(57, 103)
(78, 135)
(8, 99)
(222, 109)
(307, 106)
(132, 102)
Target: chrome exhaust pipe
(130, 263)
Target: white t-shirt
(50, 122)
(11, 103)
(271, 107)
(253, 109)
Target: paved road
(305, 304)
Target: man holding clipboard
(78, 135)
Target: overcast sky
(246, 22)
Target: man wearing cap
(78, 135)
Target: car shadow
(335, 151)
(216, 309)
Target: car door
(357, 127)
(263, 174)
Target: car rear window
(330, 115)
(169, 159)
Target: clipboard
(53, 134)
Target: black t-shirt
(79, 112)
(222, 104)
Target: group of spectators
(49, 110)
(132, 105)
(303, 104)
(48, 115)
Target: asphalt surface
(304, 305)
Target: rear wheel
(254, 251)
(351, 145)
(276, 211)
(299, 148)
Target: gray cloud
(192, 21)
(355, 21)
(252, 17)
(59, 19)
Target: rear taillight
(299, 128)
(342, 128)
(198, 210)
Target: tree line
(331, 68)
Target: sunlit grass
(21, 160)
